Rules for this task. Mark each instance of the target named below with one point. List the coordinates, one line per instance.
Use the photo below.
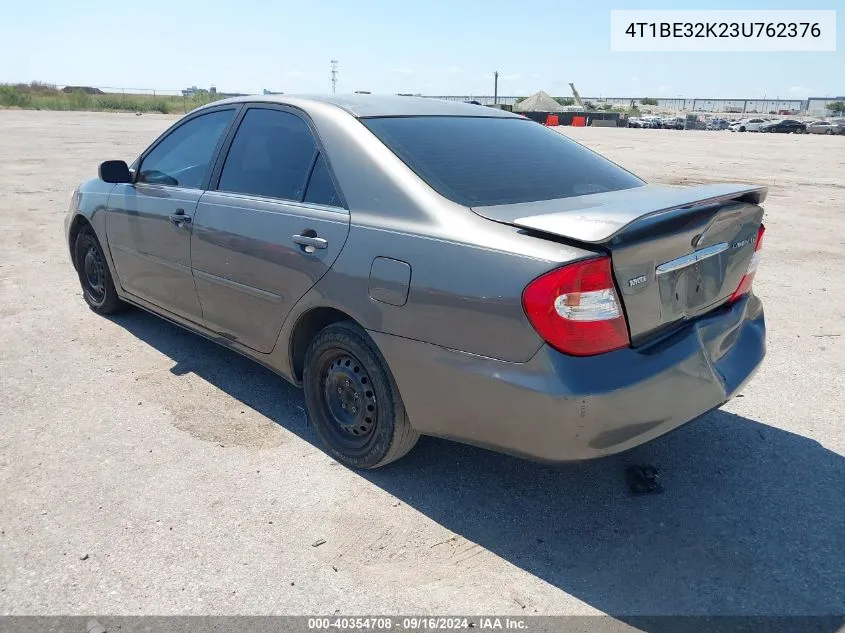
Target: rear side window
(270, 156)
(488, 161)
(321, 189)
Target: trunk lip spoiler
(598, 218)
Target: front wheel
(352, 399)
(94, 276)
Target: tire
(343, 367)
(94, 275)
(829, 132)
(742, 129)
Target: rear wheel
(94, 275)
(353, 400)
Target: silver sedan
(426, 267)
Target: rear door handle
(313, 242)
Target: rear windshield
(488, 161)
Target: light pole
(334, 74)
(495, 87)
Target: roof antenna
(334, 75)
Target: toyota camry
(428, 267)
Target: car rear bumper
(558, 408)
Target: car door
(270, 226)
(148, 222)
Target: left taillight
(748, 278)
(576, 310)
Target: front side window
(270, 156)
(486, 161)
(183, 157)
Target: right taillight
(576, 310)
(748, 278)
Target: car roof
(362, 106)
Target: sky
(433, 47)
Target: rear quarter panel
(462, 296)
(467, 272)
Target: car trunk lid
(676, 252)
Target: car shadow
(751, 520)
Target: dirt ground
(145, 470)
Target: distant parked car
(718, 124)
(673, 123)
(635, 122)
(825, 127)
(785, 126)
(748, 125)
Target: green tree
(648, 101)
(12, 97)
(565, 101)
(837, 107)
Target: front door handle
(179, 218)
(313, 242)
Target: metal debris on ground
(643, 479)
(318, 542)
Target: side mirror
(114, 171)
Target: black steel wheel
(352, 399)
(94, 276)
(349, 397)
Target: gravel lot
(145, 470)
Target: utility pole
(334, 75)
(495, 87)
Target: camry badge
(745, 242)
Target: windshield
(488, 161)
